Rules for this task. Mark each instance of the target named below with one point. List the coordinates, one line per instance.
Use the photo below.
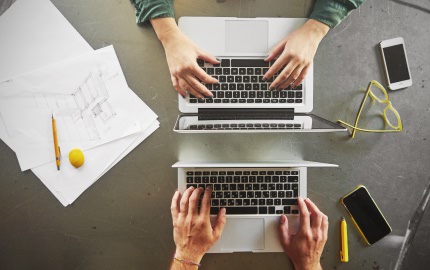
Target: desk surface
(123, 221)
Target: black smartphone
(366, 215)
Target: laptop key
(298, 101)
(241, 210)
(242, 100)
(287, 209)
(242, 71)
(225, 62)
(240, 86)
(249, 63)
(272, 210)
(218, 71)
(234, 71)
(289, 201)
(262, 210)
(295, 212)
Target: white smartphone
(396, 63)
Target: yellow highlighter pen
(344, 241)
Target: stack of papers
(85, 90)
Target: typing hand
(192, 230)
(296, 52)
(182, 55)
(305, 247)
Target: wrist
(317, 27)
(165, 28)
(307, 266)
(189, 256)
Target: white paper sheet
(31, 40)
(27, 30)
(89, 98)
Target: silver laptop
(242, 101)
(254, 194)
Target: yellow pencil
(57, 148)
(344, 241)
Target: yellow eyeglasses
(378, 97)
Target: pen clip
(59, 150)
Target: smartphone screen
(397, 65)
(367, 215)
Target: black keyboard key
(235, 194)
(273, 194)
(200, 62)
(240, 86)
(260, 179)
(289, 201)
(224, 86)
(230, 202)
(241, 187)
(277, 201)
(249, 71)
(238, 79)
(214, 202)
(217, 86)
(225, 62)
(214, 210)
(242, 210)
(257, 71)
(298, 101)
(295, 190)
(272, 210)
(242, 100)
(294, 172)
(218, 71)
(262, 210)
(230, 79)
(246, 79)
(242, 71)
(269, 201)
(218, 195)
(279, 212)
(293, 179)
(287, 209)
(249, 63)
(295, 212)
(244, 94)
(226, 71)
(234, 71)
(266, 194)
(272, 186)
(299, 94)
(222, 79)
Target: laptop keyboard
(249, 192)
(242, 126)
(241, 81)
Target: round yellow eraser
(76, 157)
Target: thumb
(220, 223)
(284, 231)
(275, 51)
(207, 57)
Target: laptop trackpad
(246, 36)
(243, 234)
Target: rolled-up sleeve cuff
(146, 11)
(329, 12)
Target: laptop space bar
(236, 210)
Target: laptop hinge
(245, 113)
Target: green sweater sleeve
(332, 12)
(150, 9)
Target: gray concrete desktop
(123, 221)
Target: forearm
(164, 27)
(317, 28)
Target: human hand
(182, 55)
(296, 52)
(192, 230)
(305, 247)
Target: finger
(301, 77)
(324, 227)
(193, 203)
(316, 214)
(187, 87)
(290, 79)
(174, 207)
(304, 215)
(208, 57)
(183, 205)
(205, 209)
(284, 75)
(284, 231)
(177, 87)
(196, 85)
(279, 63)
(203, 76)
(220, 223)
(275, 51)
